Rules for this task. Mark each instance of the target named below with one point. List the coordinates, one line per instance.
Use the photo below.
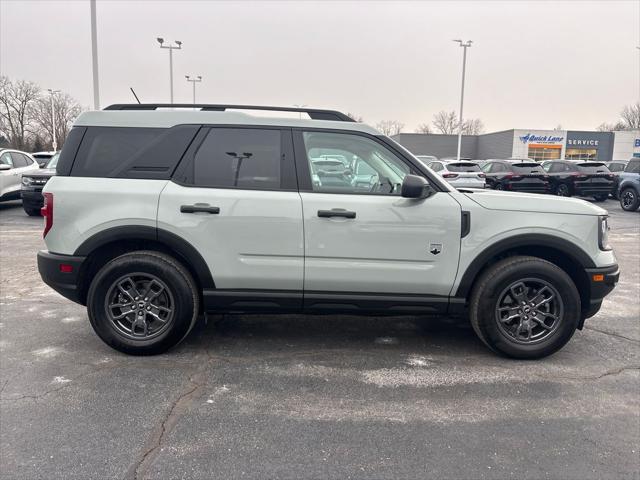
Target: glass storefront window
(582, 154)
(540, 153)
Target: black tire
(563, 190)
(601, 198)
(32, 212)
(629, 200)
(498, 187)
(179, 287)
(490, 287)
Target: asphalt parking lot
(309, 396)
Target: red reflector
(47, 213)
(65, 268)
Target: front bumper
(32, 197)
(62, 273)
(602, 281)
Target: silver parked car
(461, 174)
(13, 164)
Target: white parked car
(13, 164)
(155, 217)
(460, 174)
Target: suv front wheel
(142, 303)
(629, 200)
(525, 307)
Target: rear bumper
(63, 282)
(602, 281)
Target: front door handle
(336, 212)
(200, 207)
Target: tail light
(47, 213)
(510, 176)
(449, 175)
(481, 175)
(579, 176)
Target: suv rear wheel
(142, 303)
(525, 307)
(629, 200)
(563, 190)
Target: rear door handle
(200, 207)
(336, 212)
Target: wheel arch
(566, 255)
(108, 244)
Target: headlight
(27, 181)
(603, 233)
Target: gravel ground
(311, 397)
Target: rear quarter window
(104, 149)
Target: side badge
(435, 248)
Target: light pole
(177, 46)
(53, 120)
(94, 57)
(299, 106)
(638, 47)
(464, 45)
(194, 81)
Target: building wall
(437, 145)
(626, 144)
(602, 142)
(495, 145)
(523, 139)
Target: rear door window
(19, 160)
(243, 158)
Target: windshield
(593, 167)
(463, 167)
(527, 168)
(54, 161)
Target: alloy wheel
(140, 306)
(529, 310)
(562, 190)
(628, 199)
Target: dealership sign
(583, 143)
(530, 138)
(636, 144)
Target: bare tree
(473, 126)
(446, 122)
(610, 127)
(16, 102)
(65, 108)
(423, 128)
(631, 116)
(558, 127)
(356, 117)
(390, 127)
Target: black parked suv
(517, 177)
(32, 185)
(585, 179)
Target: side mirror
(4, 166)
(414, 186)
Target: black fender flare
(138, 232)
(571, 250)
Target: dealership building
(536, 144)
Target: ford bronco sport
(157, 215)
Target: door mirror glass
(4, 166)
(414, 186)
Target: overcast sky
(532, 64)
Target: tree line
(26, 121)
(447, 123)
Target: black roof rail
(314, 113)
